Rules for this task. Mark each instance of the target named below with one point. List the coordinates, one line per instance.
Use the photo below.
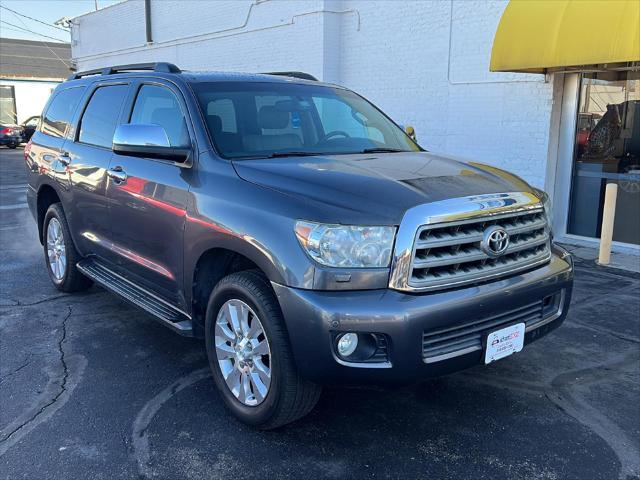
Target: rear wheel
(60, 253)
(250, 355)
(13, 146)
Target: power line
(12, 29)
(43, 43)
(31, 31)
(34, 19)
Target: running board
(162, 311)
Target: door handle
(117, 175)
(64, 159)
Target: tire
(289, 396)
(13, 146)
(68, 278)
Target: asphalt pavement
(91, 388)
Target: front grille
(450, 254)
(438, 345)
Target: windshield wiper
(293, 154)
(382, 150)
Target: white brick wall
(426, 63)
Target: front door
(88, 153)
(147, 210)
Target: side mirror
(411, 132)
(147, 140)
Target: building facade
(426, 64)
(29, 71)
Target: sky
(47, 11)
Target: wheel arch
(212, 266)
(46, 196)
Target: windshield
(255, 120)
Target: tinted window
(100, 118)
(60, 111)
(159, 106)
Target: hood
(378, 187)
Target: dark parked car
(10, 135)
(294, 227)
(29, 127)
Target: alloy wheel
(243, 352)
(56, 251)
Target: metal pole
(608, 216)
(147, 19)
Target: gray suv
(292, 225)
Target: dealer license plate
(504, 342)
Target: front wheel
(250, 355)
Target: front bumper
(314, 318)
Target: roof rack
(302, 75)
(162, 67)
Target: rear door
(45, 162)
(148, 209)
(89, 153)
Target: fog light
(347, 344)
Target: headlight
(346, 246)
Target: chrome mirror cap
(140, 135)
(149, 141)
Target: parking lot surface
(92, 388)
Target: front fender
(229, 213)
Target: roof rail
(302, 75)
(163, 67)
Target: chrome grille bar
(438, 263)
(438, 245)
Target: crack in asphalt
(10, 374)
(39, 302)
(18, 303)
(63, 384)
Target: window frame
(178, 96)
(93, 89)
(26, 122)
(136, 83)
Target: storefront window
(607, 151)
(7, 105)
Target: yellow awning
(534, 35)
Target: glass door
(607, 150)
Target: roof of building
(29, 59)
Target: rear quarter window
(58, 116)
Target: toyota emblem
(495, 241)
